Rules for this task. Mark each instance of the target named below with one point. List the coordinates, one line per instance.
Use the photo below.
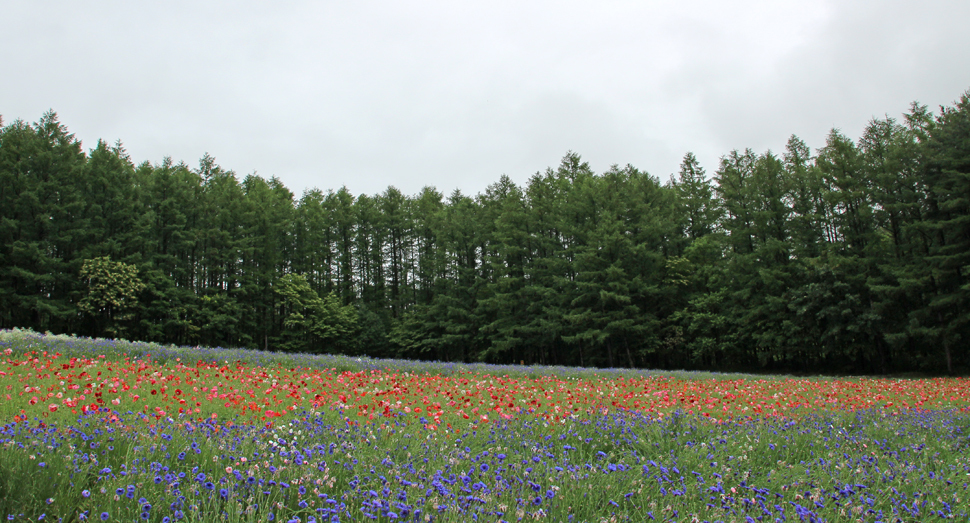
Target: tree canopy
(850, 258)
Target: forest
(852, 258)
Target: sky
(453, 95)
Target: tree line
(850, 258)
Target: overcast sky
(455, 94)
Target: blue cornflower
(270, 517)
(104, 516)
(484, 467)
(537, 501)
(223, 493)
(86, 493)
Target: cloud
(369, 94)
(866, 60)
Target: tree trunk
(946, 346)
(629, 356)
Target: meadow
(109, 430)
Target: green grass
(870, 465)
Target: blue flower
(86, 493)
(104, 516)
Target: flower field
(104, 430)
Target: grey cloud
(371, 94)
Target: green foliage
(112, 292)
(851, 258)
(111, 286)
(313, 324)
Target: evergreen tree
(946, 316)
(696, 204)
